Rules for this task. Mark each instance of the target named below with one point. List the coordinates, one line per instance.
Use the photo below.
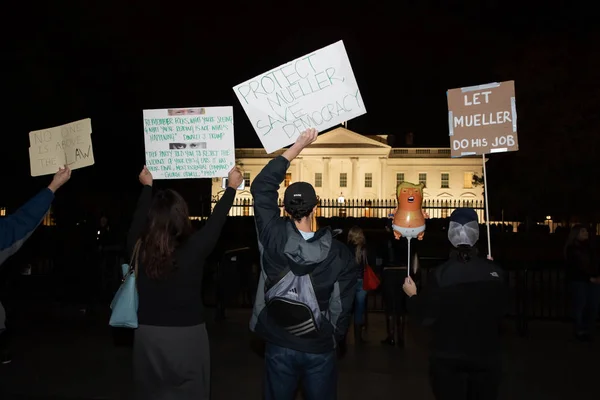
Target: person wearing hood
(306, 286)
(464, 304)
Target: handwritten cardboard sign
(69, 144)
(483, 119)
(317, 90)
(194, 142)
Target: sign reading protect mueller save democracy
(483, 119)
(318, 90)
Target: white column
(326, 184)
(382, 178)
(355, 181)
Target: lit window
(445, 181)
(343, 179)
(318, 179)
(368, 180)
(468, 180)
(423, 179)
(399, 178)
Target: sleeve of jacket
(205, 240)
(264, 190)
(16, 228)
(347, 289)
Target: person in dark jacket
(171, 354)
(16, 228)
(584, 277)
(394, 271)
(464, 306)
(290, 245)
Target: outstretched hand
(60, 178)
(409, 287)
(146, 177)
(305, 139)
(235, 178)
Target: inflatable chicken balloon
(409, 219)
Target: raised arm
(265, 187)
(264, 190)
(141, 211)
(205, 240)
(16, 228)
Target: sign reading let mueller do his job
(317, 90)
(483, 119)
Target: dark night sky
(110, 60)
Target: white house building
(342, 164)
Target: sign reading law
(69, 144)
(483, 119)
(318, 90)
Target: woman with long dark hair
(171, 350)
(584, 277)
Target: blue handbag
(124, 305)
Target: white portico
(344, 163)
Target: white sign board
(317, 90)
(69, 144)
(192, 142)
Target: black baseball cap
(300, 194)
(464, 216)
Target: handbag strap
(133, 264)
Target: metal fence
(538, 291)
(365, 208)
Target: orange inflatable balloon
(409, 218)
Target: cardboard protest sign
(69, 144)
(483, 119)
(192, 142)
(317, 90)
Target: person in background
(171, 355)
(394, 270)
(16, 228)
(299, 348)
(464, 304)
(584, 277)
(358, 246)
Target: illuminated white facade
(344, 163)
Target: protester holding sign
(306, 287)
(171, 351)
(16, 228)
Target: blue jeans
(285, 367)
(360, 303)
(586, 303)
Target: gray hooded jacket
(282, 248)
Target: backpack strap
(271, 282)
